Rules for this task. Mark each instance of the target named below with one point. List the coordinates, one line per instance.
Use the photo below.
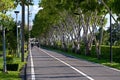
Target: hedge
(105, 51)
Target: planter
(12, 67)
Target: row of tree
(8, 28)
(72, 23)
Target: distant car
(34, 42)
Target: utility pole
(28, 26)
(22, 29)
(110, 12)
(111, 39)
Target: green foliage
(105, 52)
(44, 19)
(115, 34)
(9, 59)
(115, 5)
(11, 39)
(114, 65)
(6, 5)
(116, 54)
(12, 75)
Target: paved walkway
(47, 65)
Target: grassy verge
(11, 75)
(91, 59)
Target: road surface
(48, 65)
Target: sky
(33, 10)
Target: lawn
(11, 75)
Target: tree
(5, 22)
(57, 23)
(23, 3)
(5, 6)
(11, 40)
(115, 8)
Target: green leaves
(115, 5)
(6, 21)
(6, 5)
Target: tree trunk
(78, 48)
(87, 49)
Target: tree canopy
(6, 5)
(75, 22)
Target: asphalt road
(47, 65)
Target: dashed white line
(32, 67)
(90, 78)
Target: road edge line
(32, 67)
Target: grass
(11, 75)
(113, 65)
(91, 59)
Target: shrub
(105, 52)
(9, 59)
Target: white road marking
(90, 78)
(115, 69)
(112, 68)
(32, 67)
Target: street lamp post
(16, 12)
(110, 12)
(19, 37)
(4, 51)
(4, 45)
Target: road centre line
(90, 78)
(32, 67)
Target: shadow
(46, 68)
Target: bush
(105, 52)
(116, 54)
(10, 65)
(9, 59)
